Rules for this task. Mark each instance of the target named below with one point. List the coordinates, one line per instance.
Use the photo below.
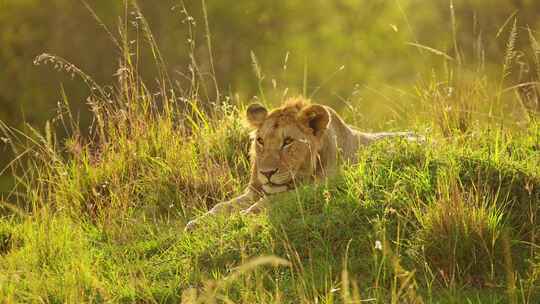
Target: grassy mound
(409, 222)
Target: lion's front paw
(245, 212)
(191, 225)
(254, 209)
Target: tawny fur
(300, 142)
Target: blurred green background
(356, 52)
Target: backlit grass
(99, 217)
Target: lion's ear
(315, 117)
(256, 114)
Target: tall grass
(98, 217)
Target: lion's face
(286, 143)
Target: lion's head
(286, 142)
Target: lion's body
(298, 142)
(341, 143)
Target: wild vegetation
(98, 216)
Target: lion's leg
(368, 138)
(236, 204)
(257, 207)
(384, 135)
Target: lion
(293, 144)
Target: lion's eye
(260, 141)
(287, 142)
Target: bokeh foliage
(369, 38)
(357, 54)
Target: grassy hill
(452, 219)
(100, 217)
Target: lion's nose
(269, 174)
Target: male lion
(294, 143)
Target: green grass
(455, 222)
(100, 217)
